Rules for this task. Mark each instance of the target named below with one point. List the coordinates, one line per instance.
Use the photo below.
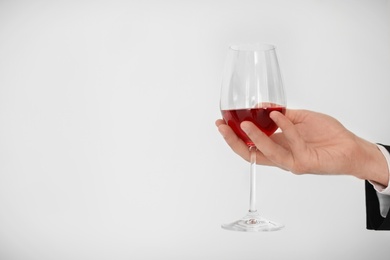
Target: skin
(311, 142)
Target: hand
(311, 142)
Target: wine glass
(251, 89)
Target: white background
(108, 148)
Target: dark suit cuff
(374, 220)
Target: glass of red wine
(252, 88)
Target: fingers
(279, 151)
(237, 145)
(297, 145)
(274, 152)
(285, 150)
(219, 122)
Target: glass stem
(252, 197)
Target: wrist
(371, 163)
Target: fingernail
(245, 128)
(273, 116)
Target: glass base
(252, 222)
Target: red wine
(259, 116)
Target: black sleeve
(374, 220)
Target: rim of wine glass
(252, 47)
